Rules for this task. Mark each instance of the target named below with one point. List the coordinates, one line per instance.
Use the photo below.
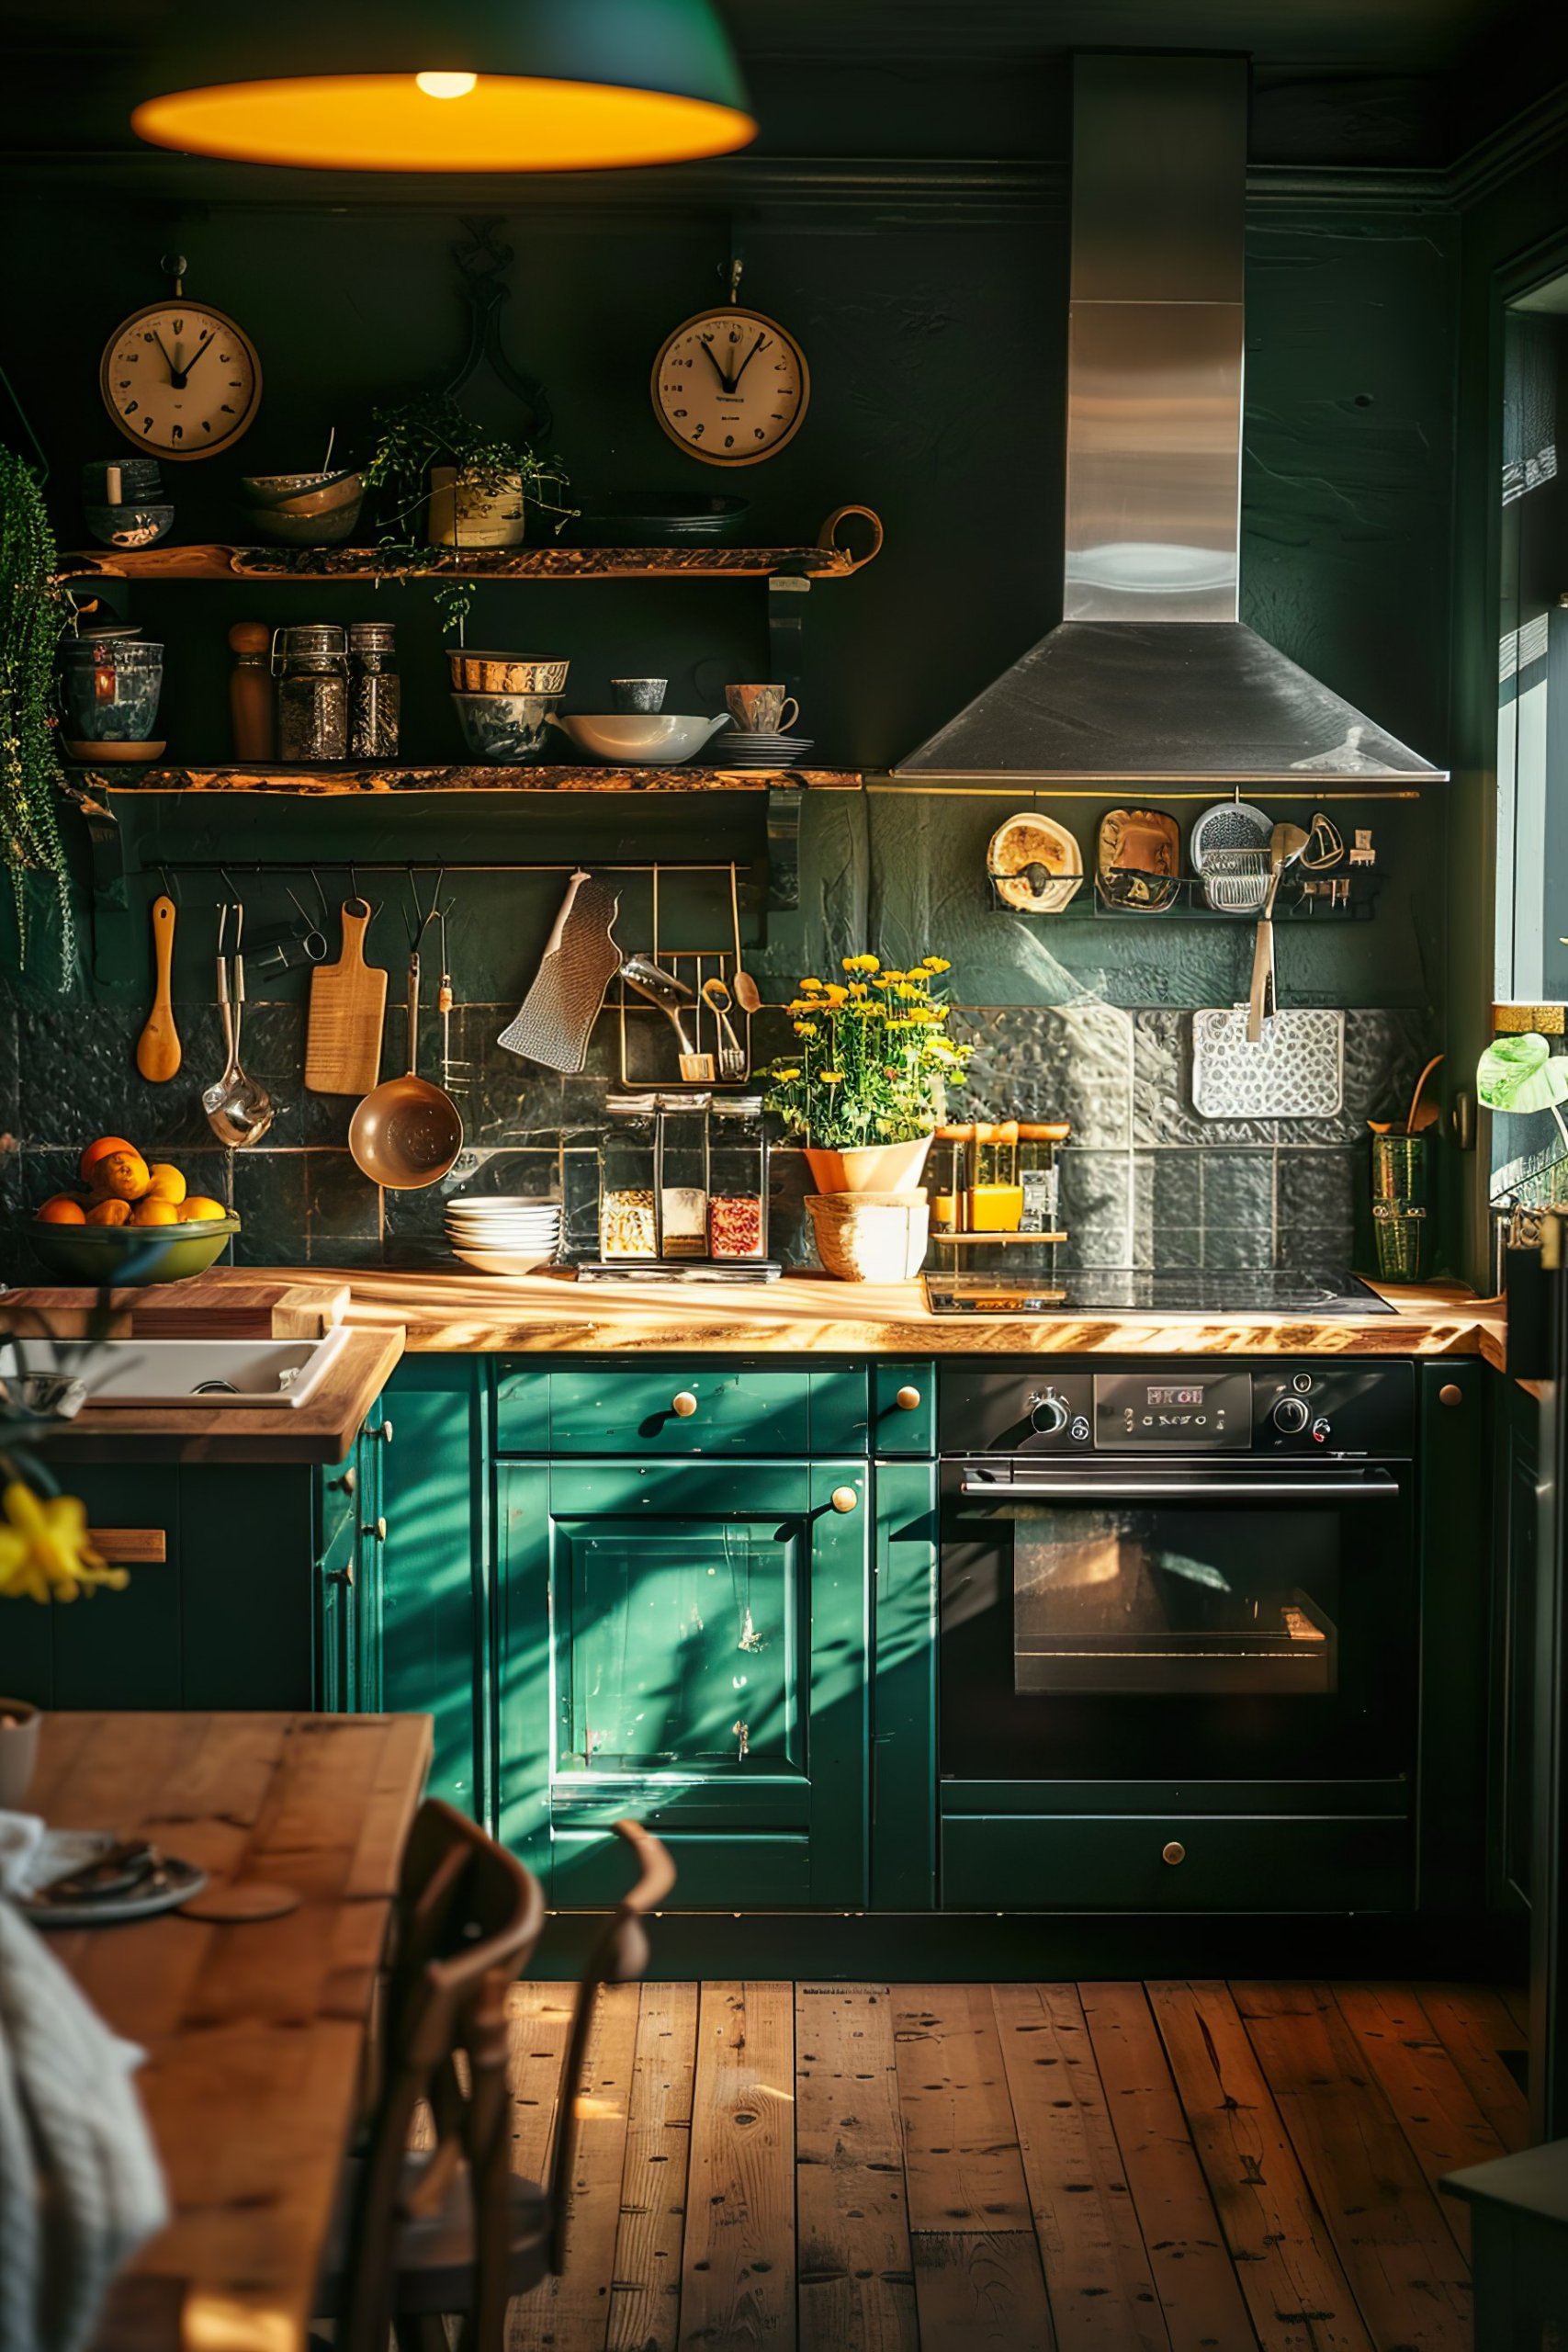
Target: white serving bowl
(504, 1261)
(638, 738)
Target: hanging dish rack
(704, 1040)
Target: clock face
(730, 386)
(180, 380)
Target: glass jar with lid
(738, 1178)
(1038, 1173)
(309, 663)
(629, 1192)
(375, 690)
(681, 1173)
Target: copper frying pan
(406, 1133)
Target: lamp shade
(452, 86)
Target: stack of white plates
(738, 749)
(501, 1234)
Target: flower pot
(870, 1168)
(18, 1751)
(463, 514)
(870, 1237)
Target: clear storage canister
(738, 1178)
(628, 1222)
(375, 691)
(309, 663)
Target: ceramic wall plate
(1227, 824)
(1035, 864)
(1138, 860)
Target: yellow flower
(862, 964)
(836, 995)
(937, 964)
(806, 1028)
(893, 978)
(810, 984)
(784, 1076)
(832, 1077)
(44, 1550)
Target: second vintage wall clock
(179, 378)
(730, 385)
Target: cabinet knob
(339, 1575)
(376, 1527)
(1450, 1394)
(347, 1484)
(845, 1498)
(683, 1403)
(907, 1399)
(1173, 1853)
(384, 1433)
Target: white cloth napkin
(80, 2184)
(32, 1855)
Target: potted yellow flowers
(863, 1089)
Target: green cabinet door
(686, 1643)
(426, 1604)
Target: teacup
(18, 1751)
(760, 710)
(644, 695)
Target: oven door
(1176, 1619)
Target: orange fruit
(164, 1182)
(121, 1175)
(110, 1212)
(151, 1212)
(96, 1150)
(60, 1210)
(197, 1209)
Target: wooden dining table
(256, 2032)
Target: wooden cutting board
(348, 1002)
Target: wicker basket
(870, 1237)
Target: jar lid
(372, 637)
(321, 640)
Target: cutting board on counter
(232, 1309)
(348, 1005)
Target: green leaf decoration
(1522, 1074)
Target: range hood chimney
(1151, 678)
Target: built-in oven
(1179, 1574)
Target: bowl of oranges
(132, 1220)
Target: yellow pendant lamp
(473, 85)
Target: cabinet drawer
(682, 1409)
(903, 1408)
(1092, 1862)
(589, 1870)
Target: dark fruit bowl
(129, 1255)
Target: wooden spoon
(748, 996)
(1422, 1115)
(158, 1047)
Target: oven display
(1131, 1412)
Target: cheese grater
(558, 1014)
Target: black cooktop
(1122, 1290)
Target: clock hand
(210, 336)
(163, 346)
(718, 371)
(746, 361)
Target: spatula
(558, 1014)
(1285, 845)
(158, 1047)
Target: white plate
(494, 1203)
(504, 1261)
(172, 1883)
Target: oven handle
(1380, 1488)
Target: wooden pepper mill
(251, 704)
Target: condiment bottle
(375, 691)
(1039, 1176)
(950, 1205)
(996, 1196)
(310, 665)
(251, 706)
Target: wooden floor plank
(1516, 1999)
(1474, 2025)
(645, 2290)
(1096, 2271)
(981, 2292)
(1198, 2291)
(961, 2159)
(1294, 2288)
(1409, 2279)
(738, 2270)
(1437, 2112)
(857, 2288)
(571, 2313)
(538, 2019)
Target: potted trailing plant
(33, 612)
(864, 1087)
(475, 484)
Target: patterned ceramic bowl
(505, 674)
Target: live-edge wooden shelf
(701, 559)
(329, 781)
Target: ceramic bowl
(653, 518)
(504, 673)
(637, 739)
(130, 1254)
(327, 529)
(504, 730)
(302, 493)
(130, 527)
(140, 479)
(505, 1262)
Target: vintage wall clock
(179, 378)
(730, 385)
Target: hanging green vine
(30, 622)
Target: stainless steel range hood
(1151, 678)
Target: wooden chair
(451, 2229)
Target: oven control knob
(1322, 1428)
(1047, 1414)
(1291, 1416)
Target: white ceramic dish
(639, 738)
(502, 1261)
(250, 1375)
(162, 1890)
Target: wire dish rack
(706, 1044)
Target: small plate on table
(149, 1882)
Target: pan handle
(413, 1014)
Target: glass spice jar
(309, 663)
(738, 1178)
(629, 1189)
(375, 691)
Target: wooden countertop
(548, 1313)
(254, 2034)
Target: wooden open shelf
(701, 559)
(321, 782)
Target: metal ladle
(239, 1109)
(662, 989)
(406, 1133)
